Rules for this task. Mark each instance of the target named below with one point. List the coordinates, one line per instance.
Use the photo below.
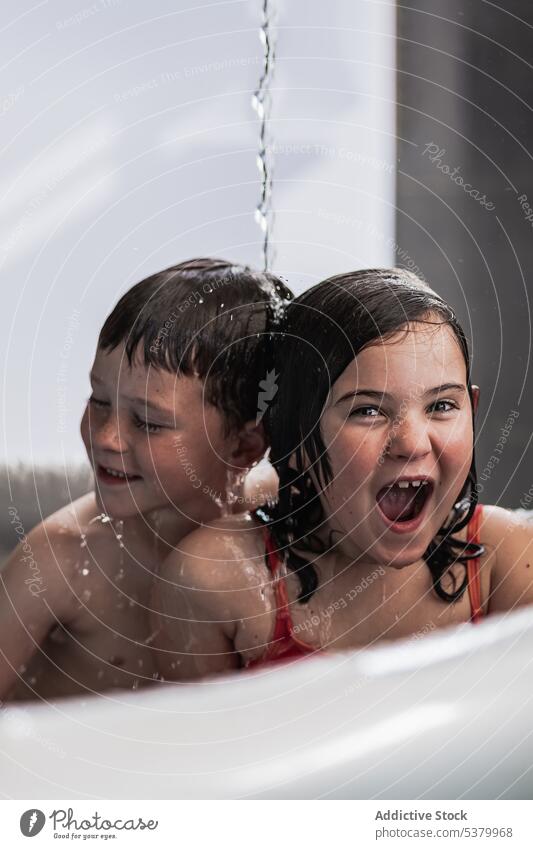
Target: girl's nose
(409, 440)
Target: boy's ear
(250, 444)
(475, 397)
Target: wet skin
(91, 615)
(400, 410)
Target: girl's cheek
(458, 445)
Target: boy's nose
(110, 435)
(409, 440)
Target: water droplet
(85, 571)
(120, 575)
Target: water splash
(102, 517)
(149, 640)
(261, 103)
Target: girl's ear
(249, 446)
(475, 397)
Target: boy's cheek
(84, 428)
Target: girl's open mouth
(402, 503)
(114, 477)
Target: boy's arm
(192, 621)
(34, 596)
(511, 538)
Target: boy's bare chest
(106, 641)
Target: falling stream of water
(262, 103)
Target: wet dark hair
(205, 317)
(324, 330)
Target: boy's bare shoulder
(47, 558)
(225, 554)
(55, 543)
(70, 524)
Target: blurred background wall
(465, 84)
(128, 143)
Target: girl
(377, 533)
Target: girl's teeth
(405, 484)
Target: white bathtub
(448, 716)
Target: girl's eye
(366, 412)
(147, 427)
(443, 406)
(95, 402)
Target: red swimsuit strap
(473, 573)
(284, 644)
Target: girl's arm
(191, 642)
(199, 597)
(509, 536)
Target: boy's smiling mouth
(114, 477)
(402, 502)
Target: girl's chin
(401, 554)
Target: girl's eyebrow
(386, 396)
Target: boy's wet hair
(205, 317)
(325, 329)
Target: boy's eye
(147, 427)
(443, 406)
(96, 402)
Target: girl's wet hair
(204, 317)
(324, 330)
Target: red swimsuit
(284, 645)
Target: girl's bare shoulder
(506, 530)
(225, 555)
(507, 536)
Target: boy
(172, 420)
